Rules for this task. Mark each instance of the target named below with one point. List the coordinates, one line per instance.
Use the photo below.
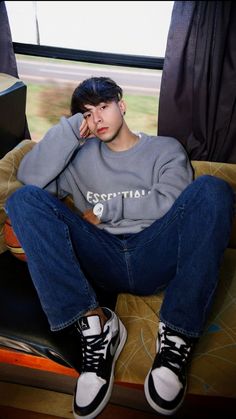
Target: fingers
(85, 131)
(89, 216)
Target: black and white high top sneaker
(100, 350)
(165, 385)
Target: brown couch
(213, 368)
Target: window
(130, 27)
(135, 28)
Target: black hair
(93, 91)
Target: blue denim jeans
(181, 253)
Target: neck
(124, 140)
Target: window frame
(93, 57)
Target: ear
(122, 106)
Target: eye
(103, 106)
(87, 115)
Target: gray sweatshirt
(135, 187)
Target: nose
(97, 116)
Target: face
(105, 120)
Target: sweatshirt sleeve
(174, 175)
(43, 164)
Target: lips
(102, 130)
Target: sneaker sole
(123, 337)
(154, 405)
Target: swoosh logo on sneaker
(114, 346)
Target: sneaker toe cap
(88, 387)
(166, 383)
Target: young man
(141, 224)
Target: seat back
(12, 112)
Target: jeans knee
(218, 194)
(19, 198)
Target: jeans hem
(74, 319)
(180, 330)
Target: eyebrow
(86, 111)
(92, 106)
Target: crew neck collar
(107, 151)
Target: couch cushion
(8, 181)
(213, 367)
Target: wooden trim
(44, 364)
(36, 362)
(124, 394)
